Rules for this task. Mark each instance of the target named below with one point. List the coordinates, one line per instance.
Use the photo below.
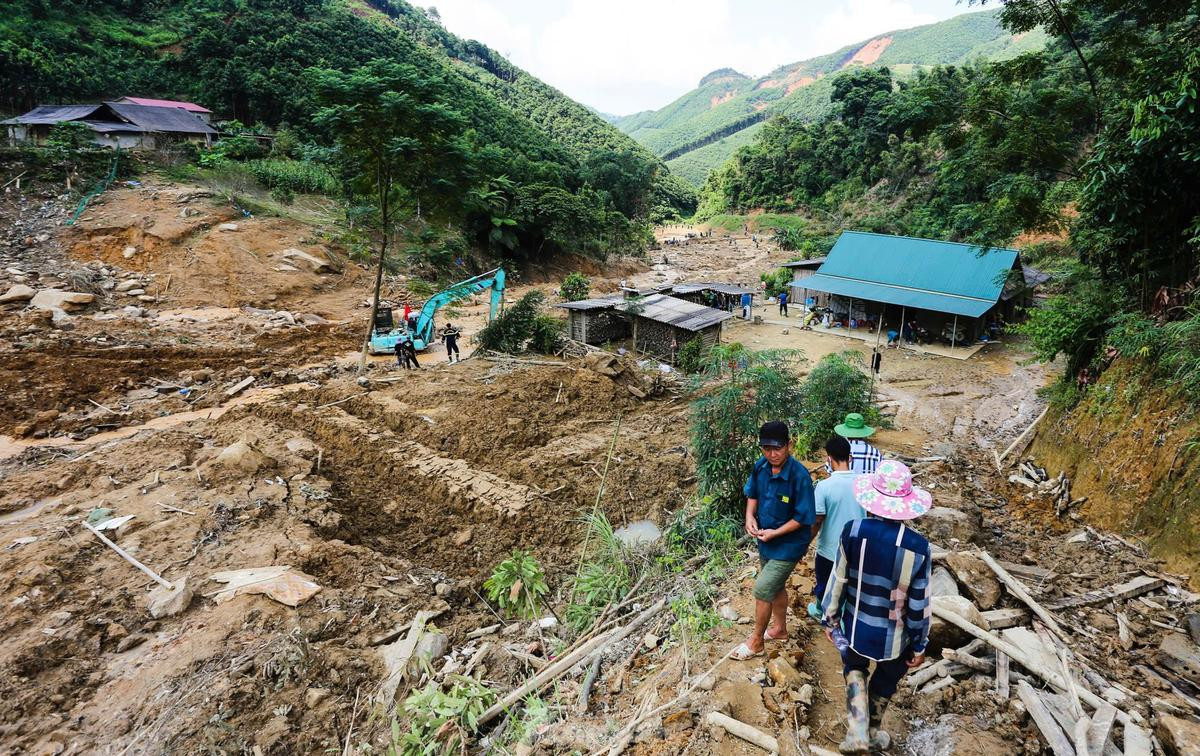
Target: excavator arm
(423, 334)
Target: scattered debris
(280, 583)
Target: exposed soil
(401, 495)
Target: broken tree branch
(744, 731)
(1017, 588)
(128, 558)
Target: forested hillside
(695, 132)
(1092, 141)
(254, 62)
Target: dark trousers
(410, 359)
(822, 570)
(451, 347)
(783, 308)
(887, 674)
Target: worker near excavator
(876, 607)
(779, 516)
(450, 336)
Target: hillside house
(947, 292)
(663, 324)
(721, 296)
(595, 321)
(201, 112)
(115, 124)
(802, 269)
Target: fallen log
(1020, 438)
(987, 666)
(744, 731)
(585, 691)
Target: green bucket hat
(854, 427)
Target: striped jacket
(878, 592)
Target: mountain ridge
(722, 107)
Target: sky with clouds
(622, 56)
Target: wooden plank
(239, 387)
(1002, 619)
(1029, 572)
(1002, 675)
(1179, 655)
(1101, 728)
(1018, 589)
(1045, 721)
(1136, 587)
(1136, 741)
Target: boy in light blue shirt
(835, 506)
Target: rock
(147, 298)
(314, 696)
(442, 589)
(727, 612)
(462, 537)
(164, 602)
(59, 317)
(242, 456)
(52, 299)
(58, 619)
(944, 525)
(944, 635)
(299, 446)
(680, 721)
(976, 577)
(130, 641)
(18, 293)
(133, 311)
(941, 583)
(603, 363)
(432, 645)
(309, 318)
(786, 331)
(651, 641)
(804, 695)
(129, 252)
(315, 264)
(783, 673)
(744, 702)
(1179, 737)
(115, 631)
(227, 227)
(1193, 627)
(137, 291)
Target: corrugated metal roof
(815, 262)
(189, 106)
(924, 273)
(675, 312)
(161, 119)
(50, 114)
(722, 288)
(593, 304)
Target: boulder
(976, 577)
(942, 634)
(18, 293)
(132, 283)
(164, 602)
(603, 363)
(52, 299)
(944, 526)
(129, 252)
(315, 264)
(241, 456)
(1178, 736)
(783, 673)
(941, 583)
(227, 227)
(300, 446)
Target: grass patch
(760, 222)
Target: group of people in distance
(872, 568)
(406, 349)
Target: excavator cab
(384, 333)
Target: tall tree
(400, 142)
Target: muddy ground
(401, 495)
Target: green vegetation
(699, 131)
(692, 357)
(441, 721)
(837, 386)
(523, 327)
(518, 585)
(556, 177)
(575, 287)
(604, 575)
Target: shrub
(777, 281)
(603, 578)
(575, 286)
(523, 326)
(294, 175)
(692, 356)
(283, 195)
(725, 421)
(518, 585)
(1171, 350)
(441, 721)
(836, 387)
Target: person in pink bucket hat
(876, 605)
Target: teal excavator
(385, 332)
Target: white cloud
(621, 56)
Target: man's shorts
(772, 578)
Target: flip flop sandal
(743, 652)
(768, 637)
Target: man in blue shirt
(835, 506)
(779, 515)
(783, 303)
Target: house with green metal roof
(944, 290)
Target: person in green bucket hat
(864, 458)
